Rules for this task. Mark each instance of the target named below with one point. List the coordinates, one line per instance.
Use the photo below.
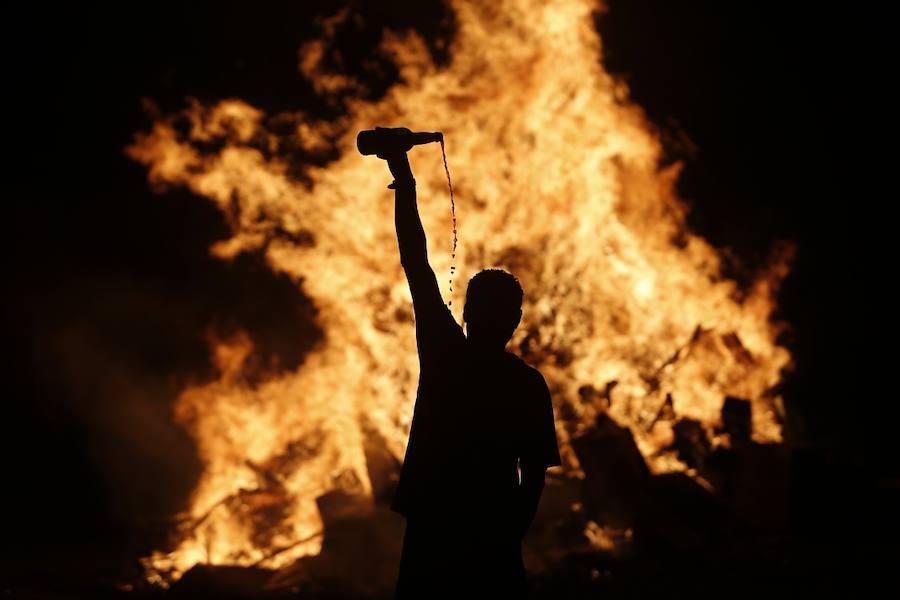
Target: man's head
(493, 308)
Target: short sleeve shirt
(476, 418)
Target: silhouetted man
(482, 433)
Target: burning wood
(557, 179)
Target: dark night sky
(113, 290)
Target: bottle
(382, 141)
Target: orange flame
(558, 180)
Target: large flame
(558, 180)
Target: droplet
(453, 213)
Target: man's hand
(523, 515)
(529, 495)
(398, 163)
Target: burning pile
(557, 179)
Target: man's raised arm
(411, 235)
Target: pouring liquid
(453, 212)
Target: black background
(111, 289)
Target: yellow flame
(558, 180)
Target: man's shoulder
(526, 371)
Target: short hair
(495, 294)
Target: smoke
(103, 352)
